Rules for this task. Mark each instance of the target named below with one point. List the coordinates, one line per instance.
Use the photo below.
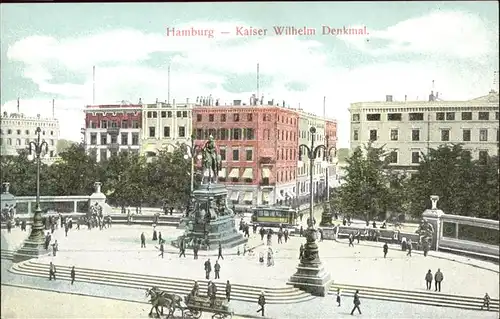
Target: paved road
(118, 248)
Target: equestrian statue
(212, 163)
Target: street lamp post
(311, 275)
(33, 245)
(327, 215)
(192, 150)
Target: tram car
(274, 216)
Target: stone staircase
(179, 286)
(7, 254)
(429, 298)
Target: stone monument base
(30, 249)
(219, 229)
(312, 279)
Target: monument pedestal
(211, 219)
(311, 275)
(33, 246)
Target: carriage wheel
(193, 313)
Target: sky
(48, 52)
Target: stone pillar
(75, 206)
(97, 197)
(29, 207)
(433, 216)
(456, 230)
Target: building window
(355, 135)
(184, 114)
(355, 117)
(9, 131)
(373, 135)
(223, 134)
(394, 135)
(466, 154)
(415, 157)
(483, 157)
(27, 132)
(182, 131)
(163, 114)
(466, 135)
(124, 139)
(149, 115)
(394, 117)
(104, 124)
(135, 139)
(104, 154)
(169, 114)
(466, 116)
(249, 155)
(450, 116)
(135, 124)
(104, 138)
(93, 125)
(415, 135)
(199, 117)
(236, 134)
(9, 141)
(496, 116)
(445, 135)
(393, 157)
(373, 117)
(249, 134)
(483, 116)
(416, 116)
(236, 117)
(93, 139)
(440, 116)
(249, 117)
(179, 114)
(223, 117)
(166, 131)
(222, 153)
(483, 135)
(236, 155)
(18, 141)
(152, 131)
(27, 141)
(210, 117)
(18, 132)
(114, 139)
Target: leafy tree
(62, 145)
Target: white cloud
(454, 34)
(202, 61)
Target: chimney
(156, 100)
(437, 95)
(217, 102)
(431, 96)
(388, 98)
(187, 100)
(236, 102)
(140, 100)
(406, 98)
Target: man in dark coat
(73, 274)
(386, 249)
(220, 252)
(162, 250)
(356, 303)
(262, 303)
(195, 249)
(52, 271)
(301, 251)
(208, 268)
(428, 280)
(143, 241)
(217, 269)
(228, 291)
(285, 233)
(438, 277)
(213, 295)
(182, 248)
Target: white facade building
(17, 130)
(165, 126)
(409, 128)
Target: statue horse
(163, 299)
(212, 165)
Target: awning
(265, 196)
(248, 173)
(234, 196)
(222, 173)
(248, 197)
(266, 172)
(235, 173)
(290, 194)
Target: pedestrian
(66, 228)
(262, 303)
(52, 271)
(410, 247)
(72, 274)
(262, 233)
(220, 252)
(351, 240)
(213, 295)
(386, 249)
(301, 231)
(320, 234)
(209, 289)
(23, 225)
(486, 302)
(182, 248)
(358, 235)
(217, 269)
(280, 236)
(195, 249)
(285, 233)
(208, 268)
(160, 239)
(228, 291)
(143, 240)
(438, 277)
(269, 237)
(162, 250)
(428, 280)
(356, 303)
(301, 251)
(55, 248)
(155, 234)
(338, 297)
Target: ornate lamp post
(33, 245)
(311, 275)
(192, 150)
(327, 161)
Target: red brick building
(259, 148)
(110, 129)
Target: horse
(212, 163)
(163, 299)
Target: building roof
(491, 97)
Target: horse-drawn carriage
(191, 306)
